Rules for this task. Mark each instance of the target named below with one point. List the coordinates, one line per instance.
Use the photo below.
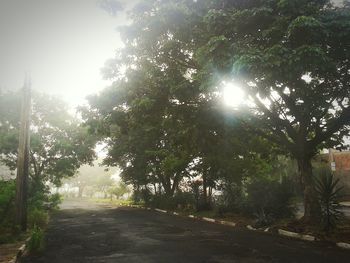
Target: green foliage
(118, 190)
(329, 194)
(39, 204)
(269, 200)
(91, 179)
(59, 144)
(181, 201)
(7, 198)
(37, 217)
(163, 120)
(232, 198)
(54, 201)
(43, 199)
(36, 241)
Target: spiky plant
(329, 194)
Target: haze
(61, 44)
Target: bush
(141, 195)
(232, 198)
(269, 201)
(181, 200)
(329, 194)
(184, 200)
(7, 198)
(37, 217)
(43, 200)
(36, 241)
(54, 201)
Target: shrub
(184, 200)
(141, 195)
(181, 200)
(36, 241)
(7, 198)
(37, 217)
(269, 200)
(329, 194)
(161, 201)
(232, 198)
(54, 200)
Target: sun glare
(233, 95)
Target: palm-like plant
(329, 193)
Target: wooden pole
(23, 159)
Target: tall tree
(292, 60)
(59, 145)
(159, 116)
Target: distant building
(339, 163)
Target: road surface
(83, 232)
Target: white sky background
(62, 44)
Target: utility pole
(23, 158)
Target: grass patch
(115, 202)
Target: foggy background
(61, 44)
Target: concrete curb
(251, 228)
(296, 235)
(160, 210)
(343, 245)
(209, 219)
(226, 223)
(21, 252)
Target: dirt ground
(85, 232)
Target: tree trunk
(80, 191)
(23, 161)
(205, 196)
(167, 188)
(311, 206)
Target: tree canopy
(159, 122)
(162, 117)
(59, 145)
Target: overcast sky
(62, 44)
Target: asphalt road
(82, 232)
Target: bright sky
(62, 44)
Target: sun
(233, 95)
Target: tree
(94, 176)
(158, 117)
(59, 145)
(119, 190)
(292, 59)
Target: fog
(62, 44)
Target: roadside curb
(160, 210)
(251, 228)
(343, 245)
(226, 223)
(207, 219)
(21, 252)
(296, 235)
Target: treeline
(95, 181)
(164, 121)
